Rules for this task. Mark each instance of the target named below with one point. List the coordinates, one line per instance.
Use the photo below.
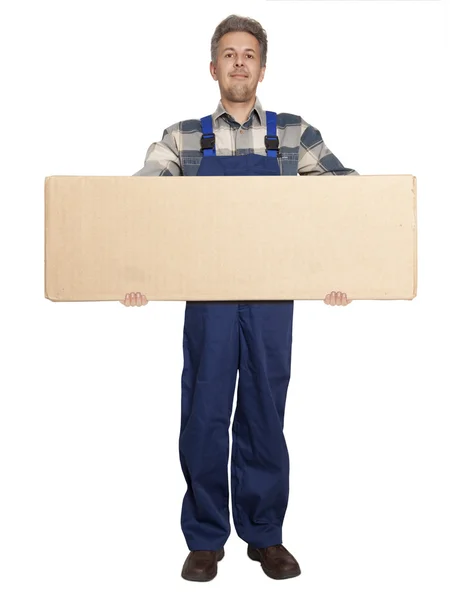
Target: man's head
(238, 46)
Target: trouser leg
(260, 460)
(211, 352)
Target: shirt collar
(257, 109)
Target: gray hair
(237, 23)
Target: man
(221, 338)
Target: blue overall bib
(219, 339)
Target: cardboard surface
(230, 238)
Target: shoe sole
(220, 556)
(254, 555)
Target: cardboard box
(230, 238)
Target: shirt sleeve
(163, 157)
(315, 158)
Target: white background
(91, 486)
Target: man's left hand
(337, 299)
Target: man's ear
(212, 70)
(262, 74)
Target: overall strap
(208, 139)
(271, 139)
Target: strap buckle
(272, 143)
(208, 141)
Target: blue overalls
(219, 339)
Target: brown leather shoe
(201, 565)
(276, 561)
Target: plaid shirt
(302, 150)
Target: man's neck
(239, 110)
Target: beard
(239, 91)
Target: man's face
(238, 53)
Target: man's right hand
(134, 299)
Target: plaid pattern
(302, 150)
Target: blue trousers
(219, 339)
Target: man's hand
(133, 299)
(337, 299)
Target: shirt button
(241, 131)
